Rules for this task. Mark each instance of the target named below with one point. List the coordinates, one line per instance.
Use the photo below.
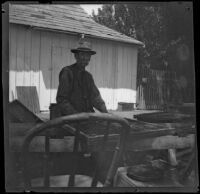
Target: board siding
(12, 65)
(38, 61)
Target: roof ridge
(56, 18)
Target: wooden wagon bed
(143, 136)
(165, 117)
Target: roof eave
(138, 43)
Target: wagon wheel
(66, 121)
(186, 166)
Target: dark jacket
(77, 92)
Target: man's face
(82, 58)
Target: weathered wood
(165, 117)
(67, 22)
(61, 181)
(155, 88)
(122, 180)
(20, 56)
(12, 61)
(163, 142)
(27, 57)
(38, 144)
(84, 24)
(137, 140)
(20, 129)
(51, 51)
(35, 61)
(45, 68)
(20, 113)
(28, 96)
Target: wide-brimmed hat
(84, 46)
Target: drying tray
(92, 133)
(165, 117)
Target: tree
(160, 26)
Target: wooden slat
(27, 57)
(39, 77)
(75, 25)
(67, 21)
(164, 142)
(20, 56)
(155, 90)
(35, 61)
(164, 117)
(20, 129)
(66, 144)
(70, 10)
(13, 62)
(45, 68)
(72, 29)
(38, 144)
(29, 97)
(56, 57)
(72, 25)
(19, 113)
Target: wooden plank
(63, 20)
(13, 61)
(45, 68)
(35, 61)
(27, 57)
(19, 113)
(133, 61)
(164, 117)
(97, 64)
(56, 61)
(38, 144)
(23, 96)
(68, 9)
(20, 129)
(91, 22)
(109, 67)
(164, 142)
(66, 144)
(27, 70)
(56, 53)
(72, 28)
(28, 96)
(115, 73)
(20, 56)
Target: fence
(155, 88)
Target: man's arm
(96, 98)
(63, 93)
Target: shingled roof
(67, 18)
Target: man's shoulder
(89, 74)
(66, 70)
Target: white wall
(36, 58)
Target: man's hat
(84, 46)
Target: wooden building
(40, 40)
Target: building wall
(37, 56)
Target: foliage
(160, 26)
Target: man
(77, 91)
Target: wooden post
(5, 83)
